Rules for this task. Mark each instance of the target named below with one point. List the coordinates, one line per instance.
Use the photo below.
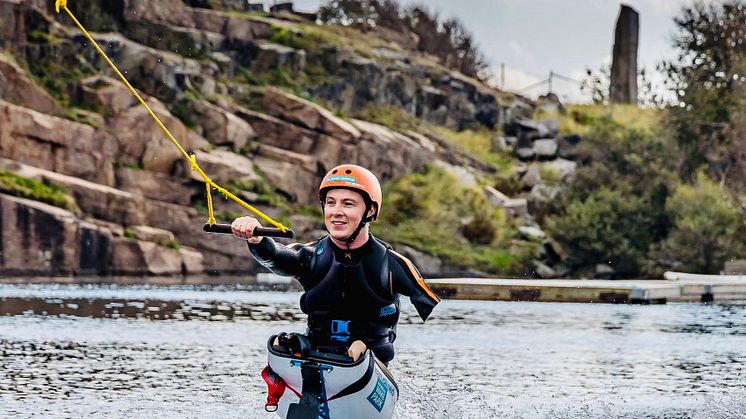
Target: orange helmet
(358, 179)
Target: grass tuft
(52, 194)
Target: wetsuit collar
(344, 255)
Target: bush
(614, 211)
(608, 227)
(707, 228)
(436, 214)
(477, 144)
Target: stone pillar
(623, 88)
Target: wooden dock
(675, 287)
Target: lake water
(162, 352)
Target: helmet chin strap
(355, 233)
(363, 222)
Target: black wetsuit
(349, 294)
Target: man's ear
(372, 210)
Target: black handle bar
(259, 231)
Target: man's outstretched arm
(406, 280)
(280, 259)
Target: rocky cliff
(267, 102)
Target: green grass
(549, 176)
(244, 15)
(134, 166)
(434, 213)
(294, 39)
(6, 55)
(52, 194)
(344, 36)
(181, 109)
(390, 117)
(41, 37)
(130, 233)
(57, 77)
(266, 193)
(580, 118)
(477, 144)
(171, 244)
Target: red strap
(275, 387)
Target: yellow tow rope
(209, 184)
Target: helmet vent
(334, 172)
(348, 171)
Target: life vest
(351, 298)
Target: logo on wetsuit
(388, 310)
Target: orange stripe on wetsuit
(418, 277)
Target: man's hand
(356, 349)
(243, 228)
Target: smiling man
(352, 280)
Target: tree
(360, 13)
(707, 228)
(708, 77)
(614, 209)
(448, 40)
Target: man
(352, 281)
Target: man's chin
(339, 235)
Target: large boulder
(152, 234)
(189, 42)
(564, 168)
(40, 239)
(56, 144)
(223, 166)
(16, 87)
(546, 148)
(428, 265)
(235, 29)
(101, 201)
(136, 257)
(105, 94)
(157, 186)
(513, 207)
(304, 161)
(263, 56)
(307, 114)
(278, 133)
(168, 11)
(143, 143)
(161, 74)
(221, 127)
(294, 181)
(37, 239)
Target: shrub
(707, 228)
(434, 213)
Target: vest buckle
(340, 330)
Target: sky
(533, 37)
